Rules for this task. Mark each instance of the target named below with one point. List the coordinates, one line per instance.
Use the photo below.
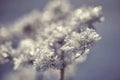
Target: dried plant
(53, 38)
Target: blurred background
(104, 61)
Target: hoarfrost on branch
(48, 39)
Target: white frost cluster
(58, 35)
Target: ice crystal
(58, 35)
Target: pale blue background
(104, 61)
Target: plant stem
(62, 72)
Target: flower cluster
(58, 35)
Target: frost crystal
(49, 39)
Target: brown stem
(62, 72)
